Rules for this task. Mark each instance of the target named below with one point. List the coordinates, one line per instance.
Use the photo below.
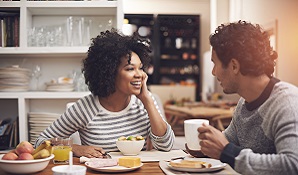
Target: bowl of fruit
(131, 145)
(24, 159)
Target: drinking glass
(62, 147)
(36, 75)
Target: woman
(120, 103)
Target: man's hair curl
(247, 43)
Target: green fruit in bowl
(132, 138)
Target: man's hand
(212, 141)
(195, 153)
(87, 151)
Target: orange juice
(61, 153)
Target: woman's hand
(144, 90)
(212, 141)
(87, 151)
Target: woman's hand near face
(87, 151)
(158, 125)
(212, 141)
(144, 90)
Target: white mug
(191, 132)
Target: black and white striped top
(100, 127)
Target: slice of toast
(190, 164)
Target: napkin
(154, 155)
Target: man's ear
(235, 65)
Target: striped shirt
(100, 127)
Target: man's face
(129, 77)
(225, 76)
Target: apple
(24, 147)
(25, 156)
(10, 156)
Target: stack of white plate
(59, 87)
(14, 79)
(38, 122)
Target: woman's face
(129, 77)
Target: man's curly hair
(104, 57)
(247, 43)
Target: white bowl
(65, 170)
(24, 166)
(130, 148)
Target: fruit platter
(24, 159)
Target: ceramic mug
(191, 132)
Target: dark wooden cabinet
(176, 47)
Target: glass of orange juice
(61, 149)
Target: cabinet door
(179, 50)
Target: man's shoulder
(283, 88)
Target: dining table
(177, 113)
(153, 162)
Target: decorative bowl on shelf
(24, 166)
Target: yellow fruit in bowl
(122, 138)
(140, 138)
(130, 138)
(41, 154)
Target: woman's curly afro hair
(105, 55)
(247, 43)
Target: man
(262, 137)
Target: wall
(286, 14)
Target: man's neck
(252, 87)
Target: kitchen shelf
(178, 50)
(55, 60)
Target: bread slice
(190, 164)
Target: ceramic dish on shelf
(14, 88)
(32, 119)
(44, 114)
(60, 90)
(215, 165)
(113, 169)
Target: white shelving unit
(55, 61)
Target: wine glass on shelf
(36, 75)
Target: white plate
(32, 119)
(114, 169)
(59, 90)
(216, 165)
(39, 124)
(40, 121)
(43, 115)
